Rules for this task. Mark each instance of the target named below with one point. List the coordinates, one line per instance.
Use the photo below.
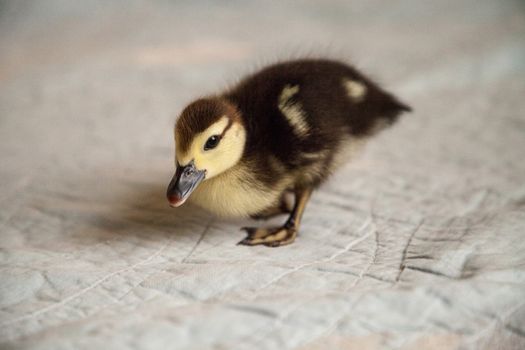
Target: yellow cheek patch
(219, 159)
(196, 150)
(226, 154)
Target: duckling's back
(301, 113)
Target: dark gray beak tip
(175, 201)
(185, 180)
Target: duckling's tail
(391, 108)
(387, 112)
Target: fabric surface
(418, 243)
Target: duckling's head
(209, 139)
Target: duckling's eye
(212, 142)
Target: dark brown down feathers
(330, 114)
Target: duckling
(280, 131)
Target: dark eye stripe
(230, 123)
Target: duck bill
(184, 182)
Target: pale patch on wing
(356, 90)
(293, 110)
(288, 92)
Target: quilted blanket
(417, 243)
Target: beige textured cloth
(419, 243)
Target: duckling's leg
(285, 206)
(278, 236)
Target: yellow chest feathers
(235, 193)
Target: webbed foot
(279, 236)
(270, 237)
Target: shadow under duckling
(282, 130)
